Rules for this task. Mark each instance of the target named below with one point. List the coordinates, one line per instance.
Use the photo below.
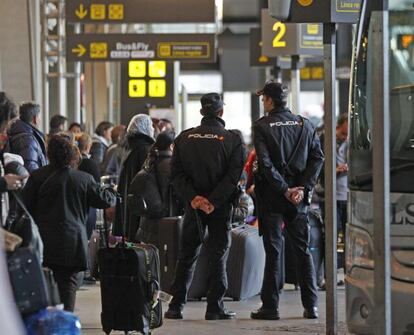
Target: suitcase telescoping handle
(106, 229)
(106, 226)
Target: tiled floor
(88, 307)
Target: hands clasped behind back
(295, 195)
(200, 202)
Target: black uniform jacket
(275, 139)
(207, 161)
(59, 201)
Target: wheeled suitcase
(96, 242)
(130, 285)
(129, 278)
(316, 245)
(27, 280)
(169, 239)
(93, 248)
(291, 276)
(316, 248)
(199, 285)
(245, 264)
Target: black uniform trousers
(297, 227)
(218, 224)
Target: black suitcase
(27, 280)
(130, 283)
(316, 245)
(246, 263)
(169, 239)
(129, 278)
(291, 276)
(316, 248)
(199, 284)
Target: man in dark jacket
(57, 124)
(206, 166)
(101, 142)
(26, 140)
(58, 197)
(289, 160)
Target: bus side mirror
(280, 9)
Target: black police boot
(265, 314)
(222, 315)
(311, 313)
(174, 314)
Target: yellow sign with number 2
(280, 29)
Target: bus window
(401, 107)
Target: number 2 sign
(287, 39)
(280, 29)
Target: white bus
(359, 250)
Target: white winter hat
(141, 124)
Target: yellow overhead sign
(184, 50)
(137, 88)
(146, 86)
(137, 68)
(157, 69)
(157, 88)
(312, 73)
(81, 12)
(312, 29)
(80, 50)
(98, 50)
(116, 11)
(98, 12)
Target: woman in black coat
(159, 163)
(140, 138)
(59, 196)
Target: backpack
(144, 197)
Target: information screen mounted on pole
(280, 39)
(124, 47)
(140, 11)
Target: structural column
(329, 40)
(381, 167)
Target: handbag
(21, 223)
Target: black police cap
(276, 91)
(211, 103)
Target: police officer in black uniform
(206, 166)
(289, 159)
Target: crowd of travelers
(207, 173)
